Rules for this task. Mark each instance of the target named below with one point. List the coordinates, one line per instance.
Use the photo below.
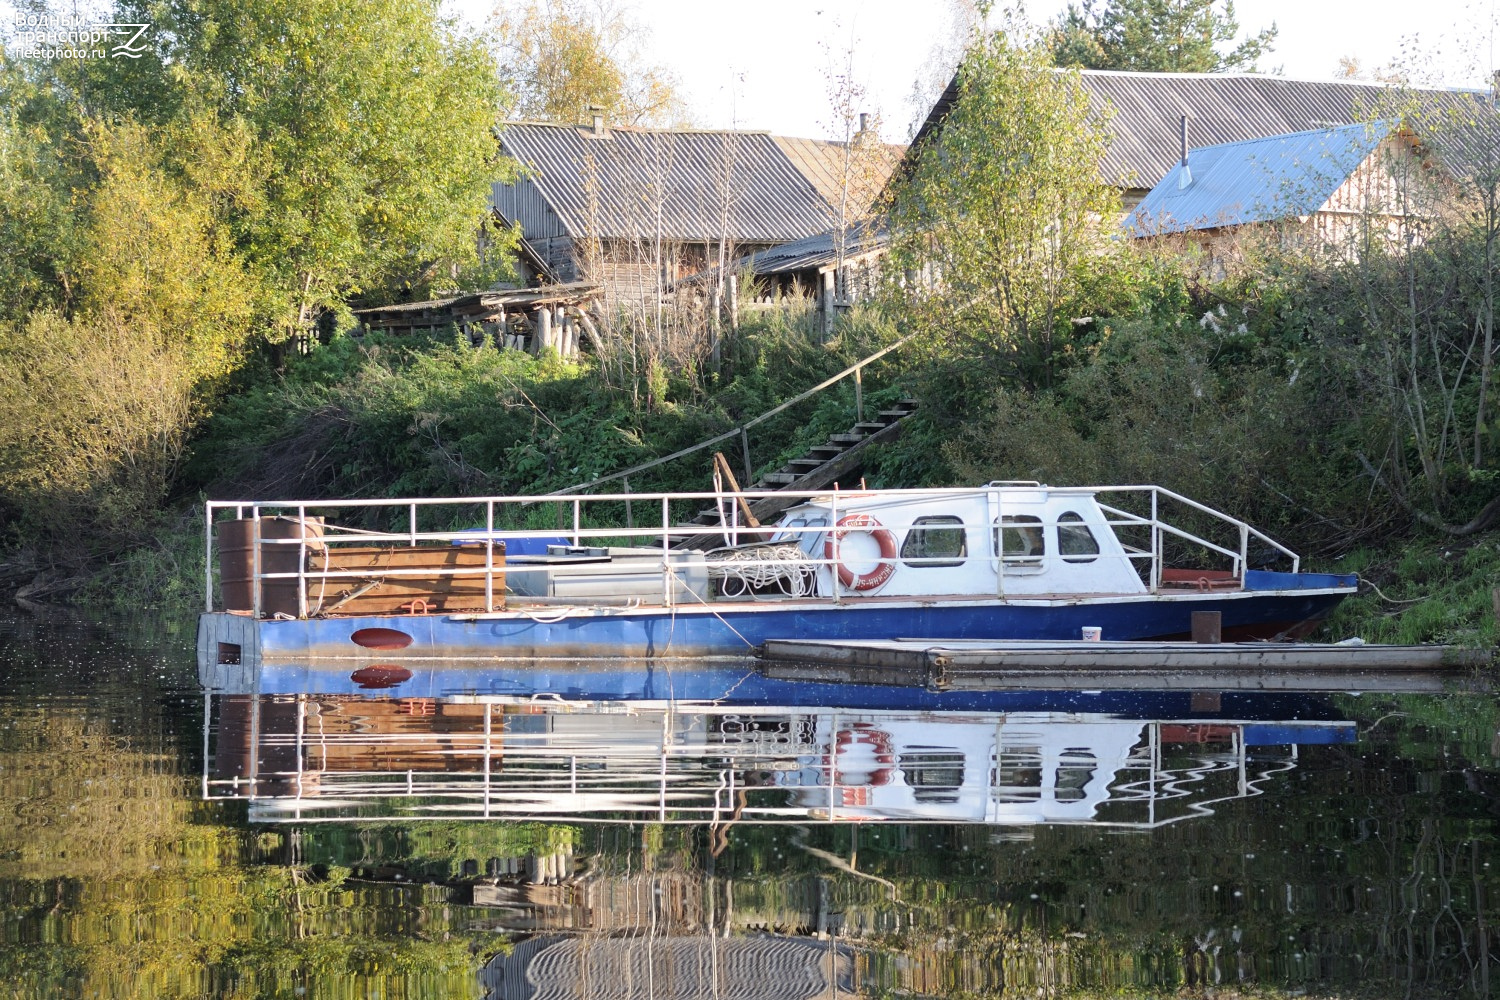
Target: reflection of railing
(477, 555)
(342, 759)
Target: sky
(766, 64)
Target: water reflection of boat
(1071, 757)
(1001, 561)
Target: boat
(585, 577)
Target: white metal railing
(571, 510)
(691, 767)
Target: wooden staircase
(821, 466)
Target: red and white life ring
(861, 757)
(883, 570)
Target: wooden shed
(635, 210)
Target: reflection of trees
(118, 883)
(1363, 867)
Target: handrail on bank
(742, 429)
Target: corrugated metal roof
(1146, 111)
(1257, 180)
(812, 252)
(823, 163)
(686, 185)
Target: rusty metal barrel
(237, 543)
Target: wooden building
(635, 210)
(1330, 188)
(1146, 110)
(1145, 114)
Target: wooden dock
(985, 665)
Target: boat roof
(916, 496)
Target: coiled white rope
(746, 569)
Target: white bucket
(1091, 633)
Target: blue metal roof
(1256, 180)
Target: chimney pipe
(864, 123)
(598, 115)
(1185, 178)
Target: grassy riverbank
(374, 417)
(1424, 589)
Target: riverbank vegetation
(187, 240)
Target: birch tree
(1003, 224)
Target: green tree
(1162, 36)
(39, 226)
(371, 129)
(1003, 227)
(560, 58)
(101, 381)
(256, 168)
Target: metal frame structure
(664, 533)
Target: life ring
(884, 568)
(878, 765)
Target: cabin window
(784, 535)
(934, 774)
(935, 541)
(807, 540)
(812, 541)
(1075, 769)
(1075, 542)
(1019, 540)
(1018, 774)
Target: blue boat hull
(736, 629)
(739, 683)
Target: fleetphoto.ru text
(69, 36)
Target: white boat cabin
(1004, 538)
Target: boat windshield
(805, 539)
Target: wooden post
(745, 451)
(859, 396)
(542, 338)
(722, 464)
(734, 302)
(1207, 627)
(591, 332)
(502, 335)
(825, 304)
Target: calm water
(416, 833)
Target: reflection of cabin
(404, 753)
(635, 209)
(1335, 187)
(554, 316)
